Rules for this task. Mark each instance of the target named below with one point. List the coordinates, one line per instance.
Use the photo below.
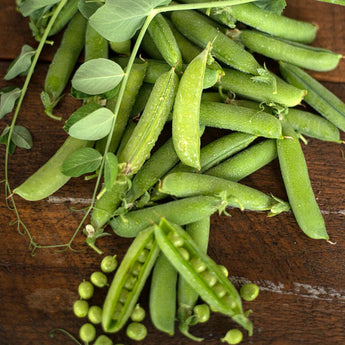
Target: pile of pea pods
(195, 70)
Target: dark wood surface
(302, 281)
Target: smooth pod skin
(318, 97)
(296, 179)
(183, 211)
(197, 28)
(252, 121)
(242, 84)
(313, 58)
(49, 178)
(245, 162)
(151, 123)
(165, 41)
(186, 111)
(96, 46)
(184, 184)
(162, 300)
(167, 230)
(129, 280)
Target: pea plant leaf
(8, 101)
(276, 6)
(110, 170)
(4, 140)
(21, 137)
(95, 126)
(82, 161)
(118, 20)
(88, 8)
(27, 7)
(20, 64)
(97, 76)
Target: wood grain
(302, 282)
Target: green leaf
(110, 170)
(21, 137)
(21, 64)
(97, 76)
(118, 20)
(87, 8)
(276, 6)
(84, 96)
(82, 161)
(8, 101)
(29, 6)
(95, 126)
(4, 140)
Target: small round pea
(233, 336)
(103, 340)
(87, 332)
(108, 264)
(202, 312)
(224, 270)
(95, 314)
(136, 331)
(184, 253)
(80, 308)
(85, 290)
(198, 264)
(99, 279)
(249, 291)
(138, 313)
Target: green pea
(138, 314)
(136, 331)
(103, 340)
(109, 264)
(224, 270)
(234, 336)
(95, 314)
(99, 279)
(249, 291)
(198, 264)
(85, 290)
(176, 239)
(202, 312)
(80, 308)
(209, 278)
(87, 332)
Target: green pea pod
(183, 211)
(129, 281)
(313, 58)
(165, 41)
(318, 96)
(123, 48)
(222, 297)
(49, 178)
(150, 123)
(185, 123)
(198, 29)
(242, 84)
(96, 46)
(150, 48)
(295, 175)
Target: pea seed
(109, 264)
(202, 312)
(176, 240)
(229, 301)
(87, 332)
(130, 282)
(117, 311)
(198, 264)
(85, 290)
(136, 268)
(210, 278)
(234, 336)
(249, 292)
(224, 270)
(123, 296)
(219, 290)
(149, 245)
(99, 279)
(95, 314)
(143, 255)
(103, 340)
(138, 314)
(80, 308)
(136, 331)
(184, 253)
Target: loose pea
(103, 340)
(202, 312)
(249, 291)
(136, 331)
(87, 332)
(95, 314)
(138, 314)
(99, 279)
(85, 290)
(234, 336)
(109, 264)
(80, 308)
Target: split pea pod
(182, 211)
(151, 123)
(297, 184)
(305, 56)
(185, 121)
(242, 84)
(164, 39)
(129, 281)
(252, 121)
(214, 288)
(49, 178)
(318, 97)
(96, 46)
(183, 184)
(196, 28)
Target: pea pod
(96, 46)
(297, 184)
(221, 295)
(49, 178)
(129, 281)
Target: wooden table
(302, 281)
